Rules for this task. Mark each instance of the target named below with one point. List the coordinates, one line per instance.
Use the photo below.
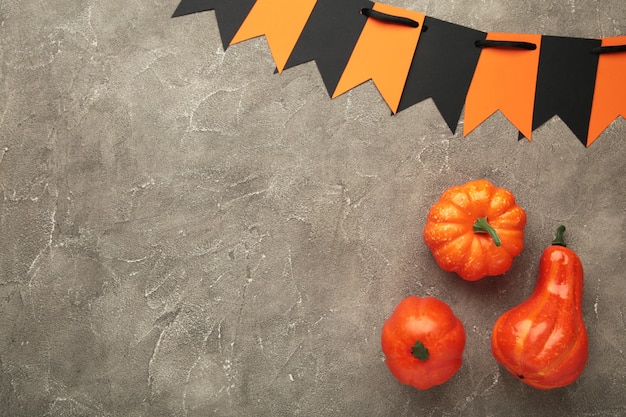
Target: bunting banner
(411, 57)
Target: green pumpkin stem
(481, 226)
(559, 240)
(420, 351)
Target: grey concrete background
(185, 233)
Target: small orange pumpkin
(475, 230)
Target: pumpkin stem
(420, 351)
(558, 240)
(481, 226)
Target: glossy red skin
(432, 322)
(543, 341)
(449, 231)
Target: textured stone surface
(185, 233)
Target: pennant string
(580, 80)
(385, 17)
(505, 44)
(608, 49)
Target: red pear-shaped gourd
(543, 340)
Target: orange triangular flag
(281, 21)
(383, 54)
(505, 79)
(610, 89)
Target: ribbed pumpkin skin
(450, 236)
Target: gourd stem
(558, 240)
(481, 226)
(420, 351)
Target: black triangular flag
(443, 66)
(566, 82)
(230, 14)
(329, 37)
